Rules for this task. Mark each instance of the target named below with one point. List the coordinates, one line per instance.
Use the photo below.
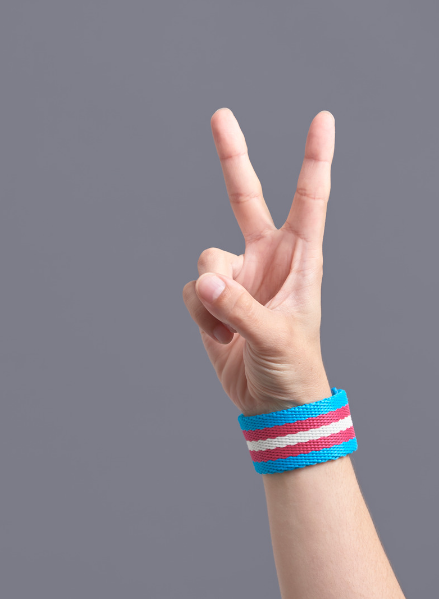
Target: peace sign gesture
(260, 315)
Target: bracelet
(300, 436)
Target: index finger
(243, 186)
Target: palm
(263, 270)
(279, 266)
(266, 265)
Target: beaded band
(301, 436)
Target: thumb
(232, 304)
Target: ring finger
(221, 262)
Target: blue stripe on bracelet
(308, 459)
(316, 408)
(301, 436)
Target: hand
(260, 316)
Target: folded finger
(220, 262)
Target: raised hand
(259, 313)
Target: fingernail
(210, 287)
(221, 334)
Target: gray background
(123, 469)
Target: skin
(272, 296)
(261, 330)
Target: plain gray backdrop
(123, 469)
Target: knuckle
(234, 155)
(240, 197)
(241, 302)
(244, 308)
(314, 195)
(207, 256)
(265, 232)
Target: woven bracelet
(301, 436)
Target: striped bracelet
(300, 436)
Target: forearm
(324, 541)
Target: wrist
(301, 436)
(315, 390)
